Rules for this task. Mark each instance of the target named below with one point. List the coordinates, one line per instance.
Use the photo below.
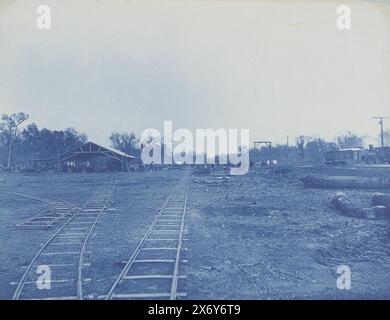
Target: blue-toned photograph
(194, 150)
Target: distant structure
(91, 157)
(381, 124)
(345, 156)
(351, 156)
(258, 144)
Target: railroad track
(64, 253)
(47, 201)
(153, 270)
(56, 212)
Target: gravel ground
(259, 236)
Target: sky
(276, 68)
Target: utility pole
(288, 146)
(381, 124)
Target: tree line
(312, 149)
(30, 143)
(18, 144)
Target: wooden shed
(91, 157)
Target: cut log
(381, 212)
(341, 202)
(381, 203)
(327, 182)
(380, 199)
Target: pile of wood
(340, 182)
(379, 209)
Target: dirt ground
(259, 236)
(266, 236)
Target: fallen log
(381, 203)
(380, 199)
(328, 182)
(341, 202)
(381, 212)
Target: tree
(301, 141)
(316, 148)
(126, 142)
(72, 138)
(9, 129)
(349, 140)
(44, 143)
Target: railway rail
(153, 270)
(63, 253)
(47, 201)
(56, 212)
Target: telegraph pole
(288, 146)
(381, 124)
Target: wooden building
(347, 156)
(92, 157)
